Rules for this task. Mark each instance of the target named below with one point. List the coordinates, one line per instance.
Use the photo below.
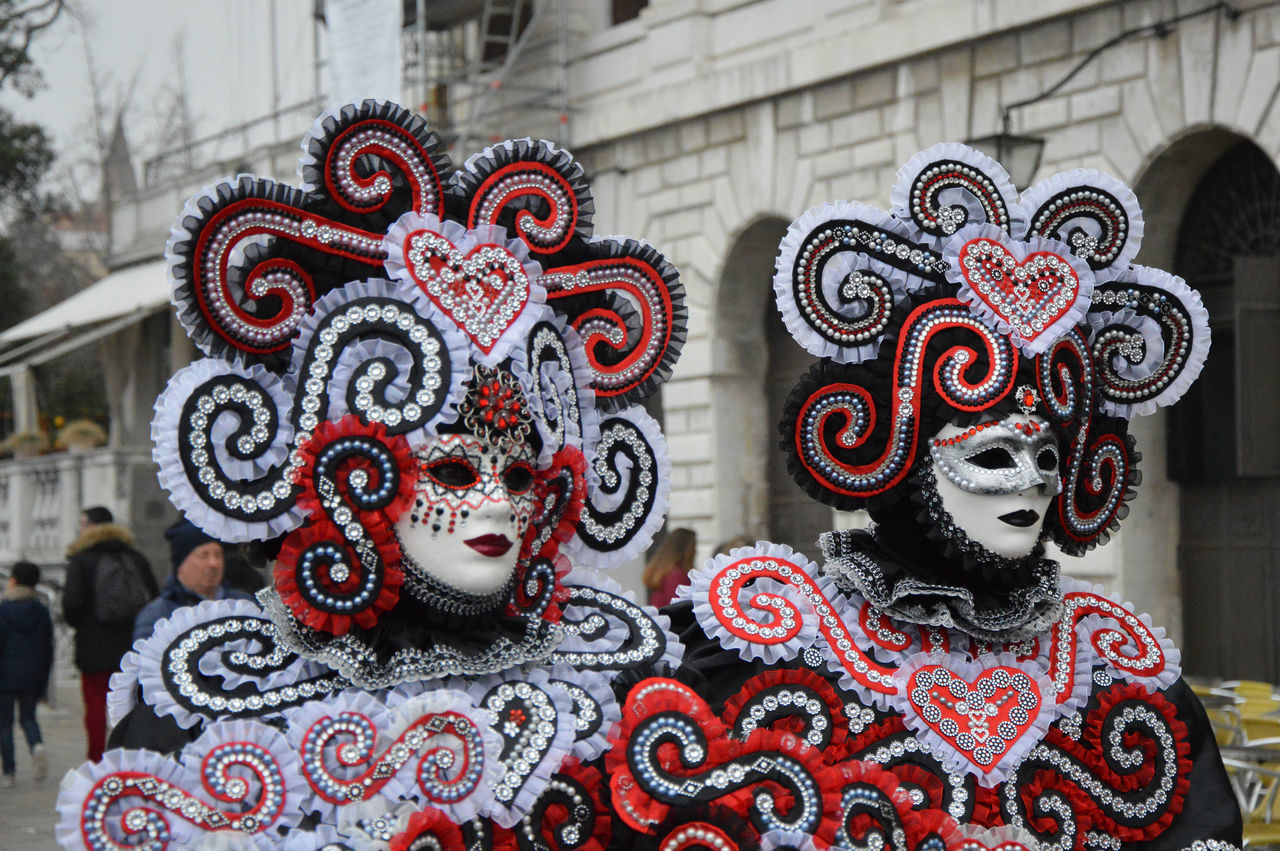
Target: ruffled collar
(942, 592)
(403, 647)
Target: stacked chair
(1246, 720)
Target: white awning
(133, 293)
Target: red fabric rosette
(329, 432)
(292, 588)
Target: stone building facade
(709, 124)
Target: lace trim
(358, 662)
(1027, 611)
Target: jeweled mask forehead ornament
(392, 298)
(969, 302)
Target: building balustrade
(41, 498)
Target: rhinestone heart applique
(1037, 297)
(483, 291)
(981, 722)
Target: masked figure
(421, 400)
(936, 681)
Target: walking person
(198, 574)
(108, 583)
(26, 657)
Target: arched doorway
(755, 365)
(1222, 450)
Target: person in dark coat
(99, 645)
(26, 657)
(198, 573)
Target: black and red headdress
(391, 298)
(970, 300)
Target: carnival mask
(473, 504)
(996, 479)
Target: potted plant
(80, 436)
(26, 444)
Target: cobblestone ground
(27, 816)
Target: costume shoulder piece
(421, 392)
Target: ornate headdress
(391, 299)
(970, 300)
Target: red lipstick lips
(491, 546)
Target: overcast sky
(225, 53)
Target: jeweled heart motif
(483, 291)
(1032, 296)
(981, 719)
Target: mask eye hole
(1047, 460)
(452, 474)
(518, 478)
(995, 458)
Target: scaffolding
(482, 69)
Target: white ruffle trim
(578, 549)
(1190, 301)
(550, 391)
(850, 259)
(366, 823)
(789, 840)
(1020, 249)
(970, 671)
(360, 351)
(1006, 837)
(785, 606)
(123, 694)
(593, 704)
(899, 195)
(1083, 180)
(205, 510)
(536, 764)
(464, 240)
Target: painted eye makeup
(452, 473)
(518, 478)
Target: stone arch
(1223, 558)
(754, 364)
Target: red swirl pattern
(644, 287)
(228, 230)
(957, 377)
(725, 591)
(447, 746)
(1130, 631)
(522, 180)
(262, 800)
(362, 194)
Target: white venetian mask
(474, 502)
(997, 479)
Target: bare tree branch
(19, 24)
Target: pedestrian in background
(26, 657)
(108, 583)
(669, 567)
(198, 573)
